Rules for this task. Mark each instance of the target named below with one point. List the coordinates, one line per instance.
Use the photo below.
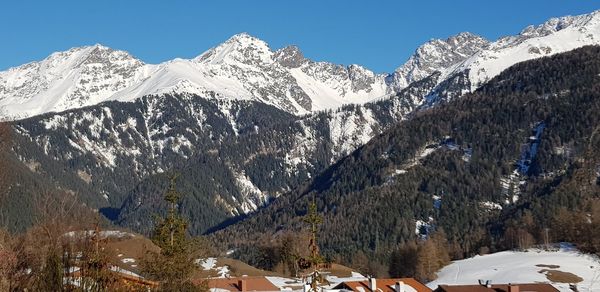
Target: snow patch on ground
(223, 271)
(422, 227)
(209, 264)
(521, 267)
(437, 201)
(491, 205)
(128, 260)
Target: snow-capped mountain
(242, 68)
(556, 35)
(437, 55)
(65, 80)
(342, 84)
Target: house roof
(122, 274)
(233, 284)
(531, 287)
(137, 280)
(383, 285)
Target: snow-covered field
(524, 267)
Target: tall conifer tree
(315, 259)
(174, 265)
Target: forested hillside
(490, 169)
(26, 196)
(235, 156)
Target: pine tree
(5, 135)
(403, 261)
(315, 259)
(174, 265)
(169, 234)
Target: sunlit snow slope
(530, 266)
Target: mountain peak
(100, 46)
(100, 54)
(242, 48)
(554, 36)
(290, 57)
(83, 50)
(466, 38)
(83, 55)
(77, 77)
(555, 24)
(242, 36)
(438, 54)
(244, 67)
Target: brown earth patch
(133, 247)
(557, 276)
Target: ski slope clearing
(560, 268)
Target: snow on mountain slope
(64, 80)
(556, 35)
(243, 67)
(344, 85)
(523, 267)
(437, 55)
(253, 197)
(352, 129)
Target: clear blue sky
(377, 34)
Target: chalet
(531, 287)
(125, 277)
(241, 284)
(383, 285)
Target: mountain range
(246, 68)
(247, 125)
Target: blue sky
(380, 35)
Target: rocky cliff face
(438, 55)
